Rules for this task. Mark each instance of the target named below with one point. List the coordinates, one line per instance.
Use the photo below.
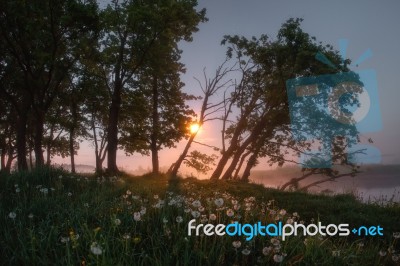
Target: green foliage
(201, 162)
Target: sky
(365, 25)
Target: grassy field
(50, 217)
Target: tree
(262, 125)
(131, 28)
(43, 40)
(163, 116)
(210, 88)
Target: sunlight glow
(194, 128)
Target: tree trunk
(112, 134)
(250, 164)
(71, 149)
(3, 154)
(230, 151)
(234, 149)
(244, 156)
(72, 133)
(155, 129)
(48, 154)
(235, 160)
(38, 139)
(174, 172)
(21, 141)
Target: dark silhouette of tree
(259, 100)
(131, 28)
(43, 40)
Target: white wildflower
(96, 249)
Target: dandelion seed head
(230, 213)
(246, 251)
(278, 258)
(219, 202)
(236, 244)
(117, 221)
(266, 251)
(382, 253)
(96, 249)
(213, 217)
(195, 214)
(12, 215)
(136, 216)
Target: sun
(194, 128)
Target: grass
(50, 217)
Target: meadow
(51, 217)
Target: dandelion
(246, 251)
(12, 215)
(396, 235)
(234, 202)
(142, 210)
(64, 239)
(96, 249)
(266, 250)
(213, 217)
(219, 202)
(196, 203)
(230, 212)
(117, 221)
(236, 244)
(17, 190)
(179, 219)
(69, 194)
(126, 236)
(187, 210)
(295, 214)
(45, 191)
(278, 258)
(203, 219)
(382, 253)
(165, 220)
(336, 253)
(395, 257)
(236, 207)
(195, 214)
(289, 221)
(137, 216)
(201, 209)
(30, 216)
(128, 192)
(282, 212)
(275, 241)
(156, 197)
